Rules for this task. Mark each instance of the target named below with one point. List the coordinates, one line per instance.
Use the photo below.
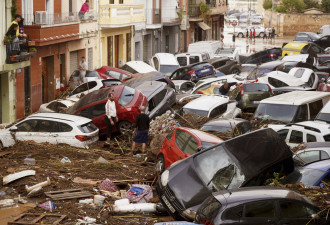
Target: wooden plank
(4, 153)
(38, 220)
(68, 194)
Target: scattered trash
(65, 160)
(88, 219)
(68, 194)
(29, 161)
(98, 199)
(35, 192)
(79, 180)
(124, 201)
(102, 160)
(38, 218)
(108, 185)
(163, 124)
(22, 201)
(7, 203)
(137, 156)
(49, 205)
(42, 184)
(86, 201)
(124, 206)
(139, 193)
(19, 175)
(2, 193)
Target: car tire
(261, 34)
(240, 35)
(235, 71)
(160, 164)
(125, 127)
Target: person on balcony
(17, 20)
(12, 47)
(83, 10)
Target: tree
(311, 4)
(292, 6)
(267, 4)
(325, 5)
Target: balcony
(121, 15)
(194, 11)
(49, 29)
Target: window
(311, 80)
(283, 133)
(168, 137)
(181, 137)
(191, 147)
(301, 114)
(315, 108)
(48, 126)
(156, 100)
(309, 156)
(88, 127)
(65, 127)
(263, 209)
(326, 138)
(218, 110)
(292, 209)
(254, 87)
(207, 213)
(186, 87)
(299, 73)
(182, 61)
(85, 113)
(276, 83)
(126, 96)
(112, 1)
(311, 138)
(156, 63)
(57, 106)
(296, 137)
(324, 155)
(98, 110)
(193, 59)
(205, 56)
(28, 126)
(233, 213)
(116, 74)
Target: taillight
(83, 137)
(270, 89)
(242, 90)
(191, 72)
(272, 55)
(200, 92)
(256, 80)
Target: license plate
(206, 70)
(256, 102)
(168, 204)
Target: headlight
(164, 177)
(189, 213)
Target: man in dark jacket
(141, 130)
(224, 89)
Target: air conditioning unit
(41, 17)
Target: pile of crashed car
(202, 177)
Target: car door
(295, 213)
(259, 213)
(65, 134)
(296, 137)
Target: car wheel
(235, 71)
(160, 164)
(240, 35)
(261, 34)
(125, 127)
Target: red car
(106, 71)
(128, 105)
(182, 143)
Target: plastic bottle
(88, 219)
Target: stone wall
(289, 24)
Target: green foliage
(180, 13)
(267, 4)
(292, 6)
(205, 10)
(276, 180)
(325, 5)
(13, 9)
(311, 4)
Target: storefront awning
(204, 26)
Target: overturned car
(247, 160)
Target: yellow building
(117, 21)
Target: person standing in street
(110, 117)
(265, 33)
(273, 33)
(141, 130)
(82, 70)
(254, 35)
(247, 33)
(83, 10)
(250, 34)
(269, 33)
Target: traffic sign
(234, 23)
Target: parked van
(293, 48)
(292, 107)
(205, 46)
(185, 59)
(324, 30)
(166, 63)
(137, 67)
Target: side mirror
(13, 128)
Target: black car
(232, 127)
(264, 56)
(194, 72)
(323, 42)
(287, 66)
(306, 37)
(247, 160)
(258, 205)
(151, 76)
(225, 65)
(263, 69)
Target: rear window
(276, 83)
(255, 87)
(126, 96)
(128, 69)
(109, 83)
(88, 127)
(182, 60)
(92, 74)
(117, 75)
(201, 66)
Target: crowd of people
(269, 33)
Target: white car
(166, 63)
(276, 79)
(260, 31)
(58, 105)
(137, 67)
(183, 86)
(303, 132)
(213, 106)
(306, 75)
(231, 53)
(53, 128)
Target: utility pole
(271, 15)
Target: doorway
(27, 91)
(48, 79)
(110, 51)
(117, 51)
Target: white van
(324, 30)
(166, 63)
(137, 67)
(292, 107)
(185, 59)
(324, 114)
(205, 46)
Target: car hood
(186, 175)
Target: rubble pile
(163, 124)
